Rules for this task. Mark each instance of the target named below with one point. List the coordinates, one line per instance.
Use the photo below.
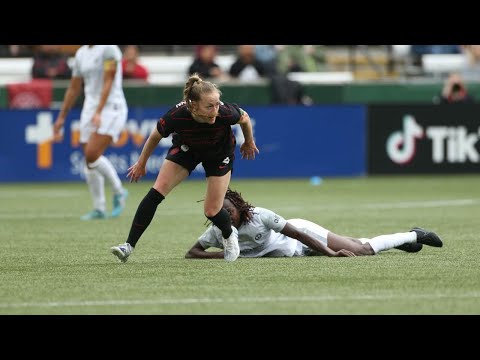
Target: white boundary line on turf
(396, 205)
(422, 204)
(230, 300)
(191, 211)
(40, 193)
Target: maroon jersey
(201, 138)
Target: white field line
(76, 216)
(397, 205)
(192, 210)
(267, 299)
(41, 193)
(422, 204)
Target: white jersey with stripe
(89, 65)
(262, 237)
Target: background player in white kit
(261, 232)
(104, 114)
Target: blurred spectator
(132, 69)
(301, 58)
(472, 69)
(246, 66)
(267, 55)
(454, 91)
(50, 63)
(288, 92)
(279, 60)
(204, 63)
(16, 50)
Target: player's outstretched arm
(198, 252)
(139, 169)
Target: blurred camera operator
(454, 91)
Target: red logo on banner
(35, 94)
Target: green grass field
(53, 263)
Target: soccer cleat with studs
(410, 247)
(94, 215)
(119, 201)
(122, 252)
(231, 249)
(427, 237)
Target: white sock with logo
(386, 242)
(105, 167)
(96, 182)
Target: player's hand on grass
(345, 253)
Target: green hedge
(372, 93)
(170, 95)
(3, 97)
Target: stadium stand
(163, 69)
(173, 69)
(367, 63)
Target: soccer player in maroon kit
(202, 133)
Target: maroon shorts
(214, 165)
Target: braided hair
(244, 208)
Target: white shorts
(114, 118)
(316, 231)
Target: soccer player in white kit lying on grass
(261, 232)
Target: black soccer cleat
(427, 237)
(410, 247)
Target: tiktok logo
(401, 145)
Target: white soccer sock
(95, 182)
(105, 167)
(386, 242)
